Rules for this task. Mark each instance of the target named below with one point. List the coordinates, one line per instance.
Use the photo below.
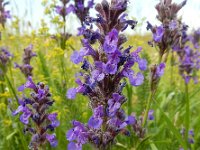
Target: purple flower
(157, 36)
(96, 120)
(29, 84)
(26, 114)
(142, 64)
(78, 133)
(90, 3)
(26, 68)
(52, 139)
(53, 118)
(74, 146)
(107, 64)
(76, 57)
(160, 69)
(35, 116)
(70, 9)
(131, 120)
(111, 40)
(6, 14)
(110, 68)
(115, 103)
(173, 25)
(71, 93)
(150, 115)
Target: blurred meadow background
(36, 22)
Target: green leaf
(172, 127)
(11, 135)
(153, 146)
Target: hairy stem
(147, 109)
(11, 87)
(187, 111)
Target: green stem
(187, 111)
(11, 87)
(2, 86)
(147, 109)
(160, 59)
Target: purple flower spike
(35, 114)
(26, 68)
(167, 35)
(4, 14)
(102, 75)
(5, 57)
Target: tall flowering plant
(167, 35)
(34, 114)
(26, 68)
(101, 79)
(78, 8)
(5, 57)
(4, 14)
(189, 64)
(189, 57)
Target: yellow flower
(57, 51)
(5, 94)
(7, 122)
(57, 99)
(2, 106)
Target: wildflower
(5, 57)
(156, 72)
(168, 34)
(34, 115)
(150, 115)
(190, 135)
(26, 68)
(189, 58)
(4, 14)
(100, 80)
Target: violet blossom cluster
(190, 136)
(155, 73)
(34, 114)
(4, 14)
(26, 68)
(137, 127)
(189, 57)
(167, 35)
(5, 57)
(78, 8)
(102, 80)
